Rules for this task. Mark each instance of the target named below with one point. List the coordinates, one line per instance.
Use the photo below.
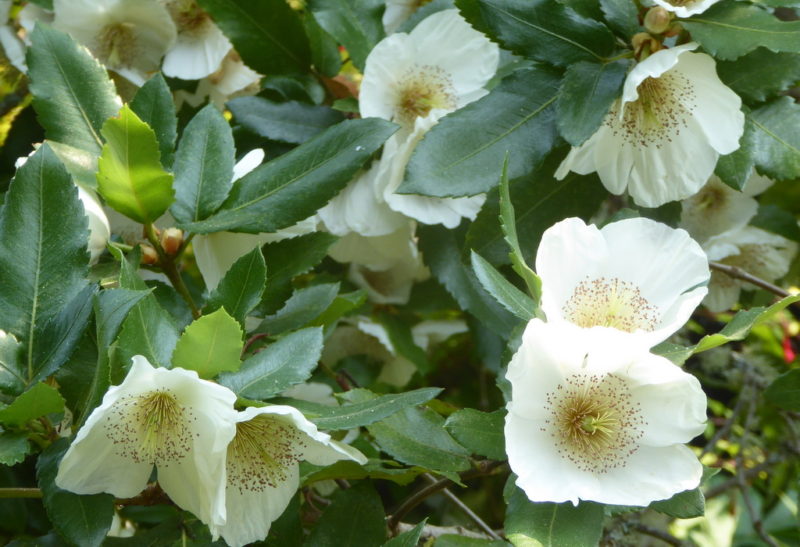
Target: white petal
(378, 253)
(688, 9)
(99, 228)
(396, 13)
(215, 253)
(249, 161)
(13, 48)
(652, 67)
(715, 209)
(386, 64)
(196, 55)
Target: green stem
(626, 55)
(31, 493)
(170, 269)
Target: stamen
(117, 45)
(188, 16)
(423, 88)
(610, 303)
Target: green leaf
(240, 289)
(622, 16)
(776, 139)
(455, 540)
(552, 524)
(402, 341)
(479, 432)
(545, 30)
(729, 30)
(512, 299)
(130, 176)
(459, 155)
(409, 538)
(355, 518)
(734, 169)
(72, 94)
(40, 400)
(43, 257)
(324, 50)
(342, 305)
(12, 365)
(760, 74)
(13, 448)
(778, 221)
(356, 24)
(203, 166)
(441, 250)
(370, 407)
(282, 364)
(587, 92)
(683, 505)
(295, 185)
(374, 469)
(154, 105)
(302, 308)
(784, 391)
(291, 121)
(674, 352)
(210, 345)
(81, 520)
(267, 34)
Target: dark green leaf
(282, 364)
(760, 74)
(354, 518)
(371, 407)
(40, 400)
(295, 185)
(13, 448)
(545, 30)
(356, 24)
(203, 166)
(267, 34)
(374, 469)
(512, 299)
(210, 345)
(13, 376)
(587, 92)
(454, 540)
(674, 352)
(292, 121)
(240, 290)
(304, 306)
(324, 49)
(622, 16)
(683, 505)
(402, 340)
(43, 257)
(479, 432)
(784, 391)
(729, 30)
(460, 155)
(734, 169)
(72, 93)
(154, 105)
(778, 221)
(409, 538)
(776, 139)
(81, 520)
(552, 524)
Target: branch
(659, 534)
(167, 264)
(738, 273)
(464, 508)
(31, 493)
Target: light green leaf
(460, 155)
(760, 74)
(130, 176)
(302, 308)
(203, 166)
(479, 432)
(295, 185)
(40, 400)
(291, 121)
(356, 24)
(13, 448)
(72, 93)
(369, 407)
(512, 299)
(282, 364)
(210, 345)
(240, 289)
(154, 105)
(784, 391)
(12, 365)
(776, 138)
(355, 518)
(730, 29)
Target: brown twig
(463, 507)
(170, 269)
(738, 273)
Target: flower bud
(644, 45)
(171, 240)
(657, 20)
(149, 254)
(673, 30)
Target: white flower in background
(662, 139)
(685, 8)
(634, 275)
(263, 468)
(232, 79)
(397, 12)
(163, 417)
(756, 251)
(593, 417)
(13, 47)
(200, 46)
(129, 36)
(216, 253)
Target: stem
(654, 532)
(738, 273)
(30, 493)
(625, 55)
(466, 510)
(170, 269)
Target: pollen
(615, 303)
(594, 421)
(263, 454)
(188, 16)
(422, 89)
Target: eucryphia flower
(593, 417)
(662, 138)
(231, 79)
(685, 8)
(164, 417)
(263, 468)
(200, 46)
(634, 275)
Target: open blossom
(685, 8)
(200, 46)
(167, 418)
(662, 138)
(593, 417)
(263, 468)
(635, 275)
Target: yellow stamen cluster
(422, 89)
(610, 302)
(117, 44)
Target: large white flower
(200, 47)
(662, 138)
(685, 8)
(593, 417)
(129, 36)
(263, 468)
(232, 79)
(634, 275)
(163, 417)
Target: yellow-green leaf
(210, 345)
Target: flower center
(117, 44)
(612, 303)
(263, 453)
(188, 16)
(152, 427)
(680, 3)
(422, 89)
(594, 421)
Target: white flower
(129, 36)
(200, 46)
(232, 79)
(634, 275)
(593, 417)
(396, 13)
(662, 139)
(13, 47)
(163, 417)
(263, 468)
(756, 251)
(685, 8)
